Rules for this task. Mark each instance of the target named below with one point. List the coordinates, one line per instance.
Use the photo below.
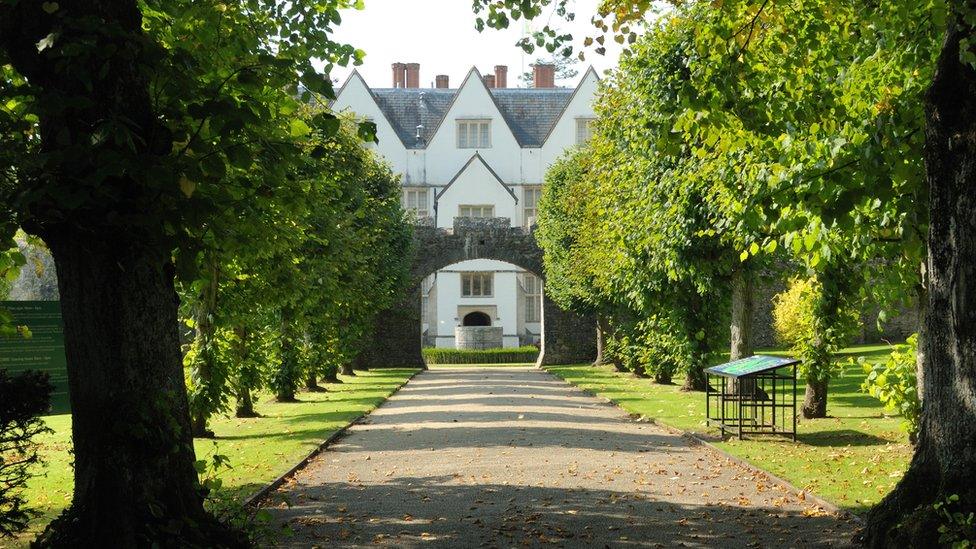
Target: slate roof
(529, 112)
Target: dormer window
(474, 134)
(584, 129)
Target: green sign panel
(751, 365)
(44, 350)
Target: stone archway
(566, 337)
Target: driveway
(504, 457)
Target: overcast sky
(440, 35)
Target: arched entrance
(476, 318)
(566, 337)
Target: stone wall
(566, 338)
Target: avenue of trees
(829, 139)
(215, 229)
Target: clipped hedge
(434, 355)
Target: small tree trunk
(742, 306)
(242, 385)
(286, 377)
(945, 456)
(601, 330)
(347, 369)
(696, 380)
(205, 394)
(331, 375)
(133, 451)
(815, 399)
(312, 384)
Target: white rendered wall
(475, 186)
(355, 97)
(563, 134)
(504, 299)
(473, 101)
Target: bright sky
(440, 35)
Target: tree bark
(133, 452)
(742, 307)
(312, 384)
(945, 456)
(815, 399)
(135, 482)
(346, 369)
(601, 330)
(922, 312)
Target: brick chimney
(398, 75)
(413, 75)
(501, 76)
(442, 81)
(490, 80)
(544, 75)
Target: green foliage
(895, 383)
(958, 524)
(23, 399)
(815, 322)
(435, 355)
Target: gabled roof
(530, 113)
(476, 156)
(569, 102)
(406, 108)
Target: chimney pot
(442, 81)
(501, 76)
(544, 75)
(412, 75)
(490, 80)
(398, 75)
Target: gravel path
(503, 457)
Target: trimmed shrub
(435, 355)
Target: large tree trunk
(945, 456)
(133, 453)
(742, 305)
(922, 312)
(135, 482)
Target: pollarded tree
(131, 113)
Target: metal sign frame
(757, 400)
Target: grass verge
(852, 458)
(259, 449)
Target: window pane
(487, 284)
(484, 134)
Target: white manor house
(479, 150)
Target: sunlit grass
(259, 449)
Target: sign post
(752, 396)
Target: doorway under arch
(476, 318)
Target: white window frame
(415, 200)
(474, 134)
(530, 208)
(584, 129)
(477, 284)
(532, 286)
(469, 210)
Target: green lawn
(852, 458)
(259, 449)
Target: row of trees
(827, 139)
(282, 290)
(167, 154)
(717, 158)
